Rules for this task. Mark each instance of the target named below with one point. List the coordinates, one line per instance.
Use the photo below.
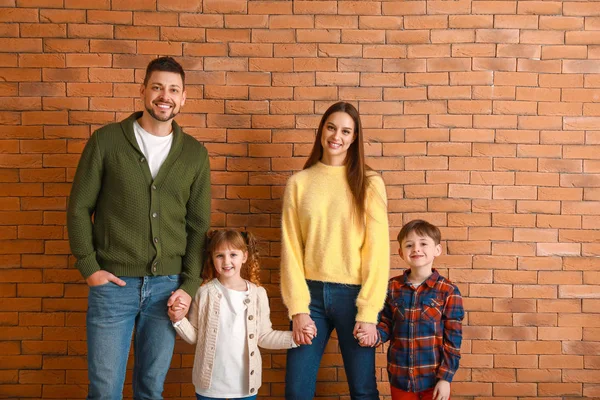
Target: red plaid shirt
(424, 327)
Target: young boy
(422, 317)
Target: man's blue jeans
(116, 313)
(332, 306)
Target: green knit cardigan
(123, 221)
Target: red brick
(473, 50)
(516, 21)
(560, 389)
(42, 377)
(246, 21)
(494, 375)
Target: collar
(433, 278)
(213, 289)
(176, 147)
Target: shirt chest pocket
(398, 309)
(431, 309)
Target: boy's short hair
(165, 64)
(422, 228)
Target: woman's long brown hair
(355, 158)
(244, 241)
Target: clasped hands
(366, 334)
(178, 305)
(304, 329)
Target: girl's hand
(441, 390)
(174, 315)
(181, 300)
(299, 322)
(177, 310)
(310, 330)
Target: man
(138, 214)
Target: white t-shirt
(155, 148)
(230, 369)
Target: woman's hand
(300, 334)
(366, 334)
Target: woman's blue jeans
(332, 306)
(116, 313)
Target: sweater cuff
(88, 265)
(297, 309)
(190, 286)
(367, 314)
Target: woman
(335, 255)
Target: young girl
(334, 256)
(229, 319)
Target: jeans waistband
(315, 284)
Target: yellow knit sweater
(323, 240)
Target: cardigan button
(252, 390)
(252, 372)
(153, 187)
(251, 336)
(251, 317)
(154, 215)
(155, 240)
(142, 159)
(247, 301)
(251, 354)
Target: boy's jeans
(113, 312)
(332, 305)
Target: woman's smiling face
(336, 138)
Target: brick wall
(482, 116)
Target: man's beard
(158, 118)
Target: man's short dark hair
(165, 64)
(421, 228)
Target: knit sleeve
(188, 327)
(82, 204)
(268, 338)
(197, 223)
(375, 253)
(294, 290)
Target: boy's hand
(366, 334)
(441, 390)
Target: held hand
(182, 300)
(366, 334)
(102, 277)
(173, 314)
(177, 305)
(441, 390)
(299, 322)
(310, 330)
